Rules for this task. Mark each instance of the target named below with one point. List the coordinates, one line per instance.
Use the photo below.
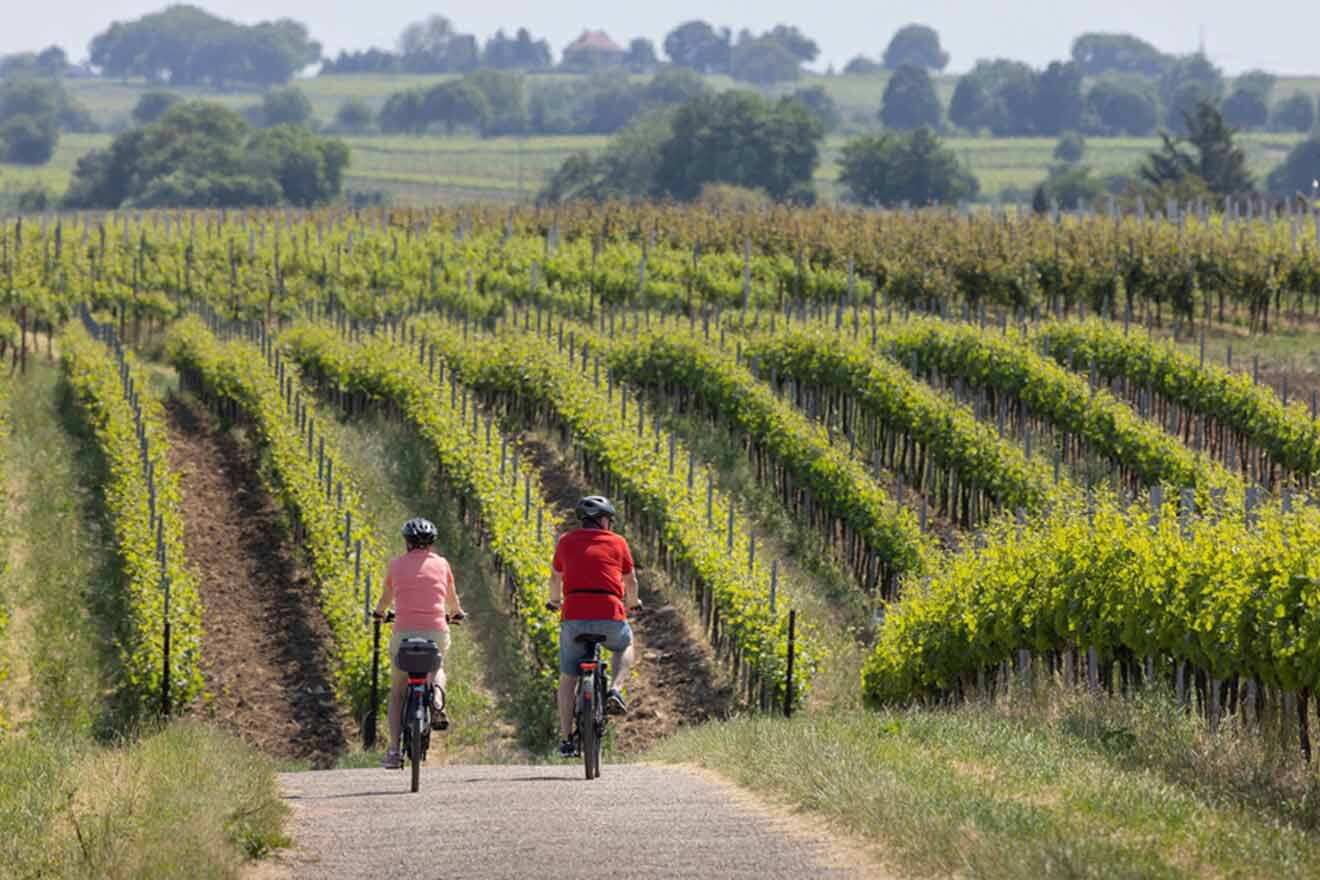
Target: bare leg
(567, 685)
(623, 661)
(398, 687)
(439, 680)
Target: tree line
(742, 146)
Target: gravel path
(547, 821)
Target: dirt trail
(264, 653)
(676, 681)
(498, 822)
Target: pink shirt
(421, 581)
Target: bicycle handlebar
(388, 617)
(551, 606)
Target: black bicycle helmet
(593, 507)
(419, 532)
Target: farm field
(980, 501)
(437, 169)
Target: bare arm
(386, 601)
(556, 588)
(631, 597)
(452, 600)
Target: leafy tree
(1097, 54)
(31, 97)
(454, 104)
(28, 140)
(698, 46)
(354, 115)
(803, 47)
(287, 106)
(821, 107)
(457, 104)
(44, 98)
(434, 46)
(506, 98)
(910, 100)
(1298, 172)
(1069, 186)
(970, 106)
(1217, 161)
(641, 57)
(916, 45)
(1189, 81)
(1070, 148)
(153, 105)
(1010, 92)
(308, 169)
(203, 155)
(1294, 113)
(367, 61)
(1260, 82)
(862, 66)
(739, 138)
(1058, 104)
(30, 114)
(674, 85)
(612, 103)
(522, 52)
(764, 60)
(627, 168)
(915, 168)
(1246, 109)
(1118, 107)
(186, 45)
(405, 112)
(49, 62)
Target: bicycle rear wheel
(587, 736)
(417, 728)
(598, 725)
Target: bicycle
(589, 716)
(420, 659)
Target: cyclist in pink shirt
(420, 587)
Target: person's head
(595, 512)
(418, 533)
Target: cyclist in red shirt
(593, 584)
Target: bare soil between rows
(265, 644)
(676, 680)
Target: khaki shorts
(439, 636)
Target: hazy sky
(1274, 34)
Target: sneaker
(614, 704)
(393, 760)
(439, 720)
(567, 749)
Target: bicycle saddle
(592, 639)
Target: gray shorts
(618, 636)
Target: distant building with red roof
(592, 51)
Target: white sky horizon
(1282, 37)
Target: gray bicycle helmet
(419, 532)
(593, 507)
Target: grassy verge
(1061, 785)
(186, 802)
(491, 706)
(61, 570)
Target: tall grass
(188, 801)
(62, 573)
(1057, 785)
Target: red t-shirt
(593, 563)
